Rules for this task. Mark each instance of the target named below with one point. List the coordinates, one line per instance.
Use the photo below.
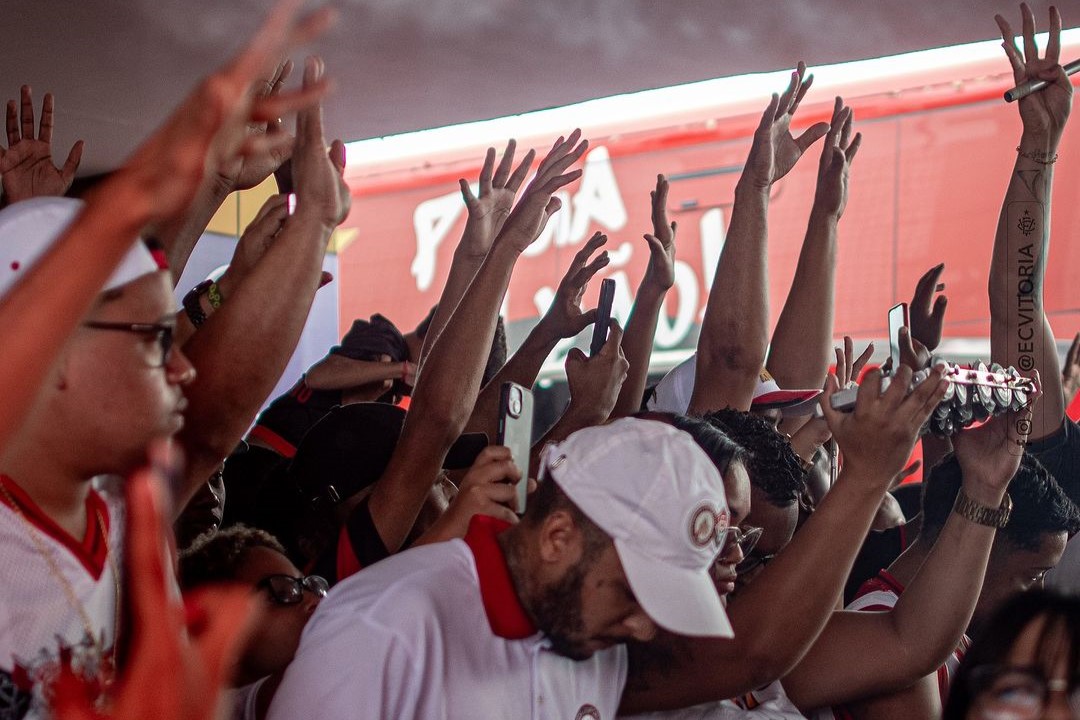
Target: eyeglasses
(161, 332)
(289, 590)
(745, 538)
(752, 562)
(1008, 692)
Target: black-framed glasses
(161, 332)
(289, 590)
(1016, 692)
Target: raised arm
(156, 183)
(735, 334)
(1020, 333)
(861, 654)
(449, 382)
(180, 234)
(242, 349)
(594, 384)
(778, 616)
(487, 212)
(802, 342)
(563, 319)
(637, 343)
(26, 165)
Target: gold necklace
(72, 598)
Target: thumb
(575, 357)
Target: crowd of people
(728, 543)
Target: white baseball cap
(673, 392)
(651, 488)
(30, 227)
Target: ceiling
(116, 67)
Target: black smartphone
(515, 432)
(898, 318)
(603, 316)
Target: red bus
(926, 188)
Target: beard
(558, 614)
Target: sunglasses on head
(289, 590)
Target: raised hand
(489, 209)
(26, 165)
(529, 217)
(989, 455)
(882, 430)
(1070, 372)
(775, 151)
(255, 241)
(837, 154)
(565, 318)
(1043, 113)
(661, 270)
(321, 192)
(210, 128)
(926, 316)
(244, 172)
(815, 432)
(595, 382)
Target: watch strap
(978, 513)
(191, 303)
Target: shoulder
(400, 590)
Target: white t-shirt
(768, 703)
(37, 619)
(438, 632)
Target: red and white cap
(651, 488)
(673, 392)
(30, 227)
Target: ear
(560, 540)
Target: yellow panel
(240, 208)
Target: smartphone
(515, 432)
(292, 203)
(898, 318)
(603, 317)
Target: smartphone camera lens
(514, 405)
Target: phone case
(603, 317)
(515, 432)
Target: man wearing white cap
(529, 620)
(116, 383)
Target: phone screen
(603, 316)
(898, 318)
(515, 432)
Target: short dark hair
(550, 498)
(992, 644)
(772, 464)
(216, 557)
(1040, 506)
(721, 449)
